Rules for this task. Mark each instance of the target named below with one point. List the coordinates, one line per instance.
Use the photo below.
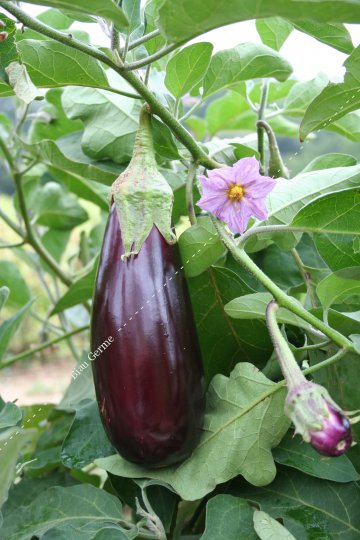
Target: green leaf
(10, 326)
(335, 100)
(245, 61)
(110, 122)
(338, 250)
(224, 341)
(253, 306)
(80, 291)
(80, 388)
(51, 121)
(179, 22)
(11, 277)
(10, 415)
(335, 35)
(228, 518)
(274, 32)
(328, 161)
(51, 64)
(288, 197)
(106, 9)
(230, 112)
(55, 18)
(82, 508)
(12, 443)
(309, 507)
(332, 213)
(66, 154)
(347, 126)
(294, 453)
(83, 188)
(21, 83)
(339, 286)
(187, 68)
(200, 247)
(57, 209)
(234, 405)
(303, 93)
(86, 439)
(8, 48)
(268, 528)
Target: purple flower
(318, 419)
(234, 194)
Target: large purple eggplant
(147, 374)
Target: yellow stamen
(236, 192)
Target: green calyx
(141, 194)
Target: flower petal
(258, 208)
(246, 170)
(258, 189)
(236, 215)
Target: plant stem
(45, 345)
(191, 111)
(115, 41)
(289, 367)
(280, 296)
(143, 39)
(152, 58)
(305, 276)
(157, 108)
(10, 246)
(11, 224)
(260, 132)
(189, 193)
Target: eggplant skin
(149, 382)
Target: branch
(189, 193)
(152, 58)
(281, 297)
(157, 108)
(45, 345)
(143, 39)
(260, 133)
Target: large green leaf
(294, 453)
(245, 61)
(52, 64)
(82, 508)
(224, 341)
(83, 188)
(338, 250)
(309, 507)
(288, 197)
(274, 31)
(327, 161)
(335, 100)
(187, 68)
(200, 247)
(335, 35)
(9, 51)
(339, 286)
(240, 428)
(110, 122)
(66, 154)
(303, 93)
(106, 9)
(51, 122)
(230, 112)
(12, 443)
(253, 307)
(57, 209)
(10, 415)
(184, 20)
(11, 278)
(228, 518)
(86, 439)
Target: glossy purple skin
(335, 438)
(148, 382)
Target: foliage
(74, 110)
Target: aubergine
(147, 369)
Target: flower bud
(3, 36)
(318, 419)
